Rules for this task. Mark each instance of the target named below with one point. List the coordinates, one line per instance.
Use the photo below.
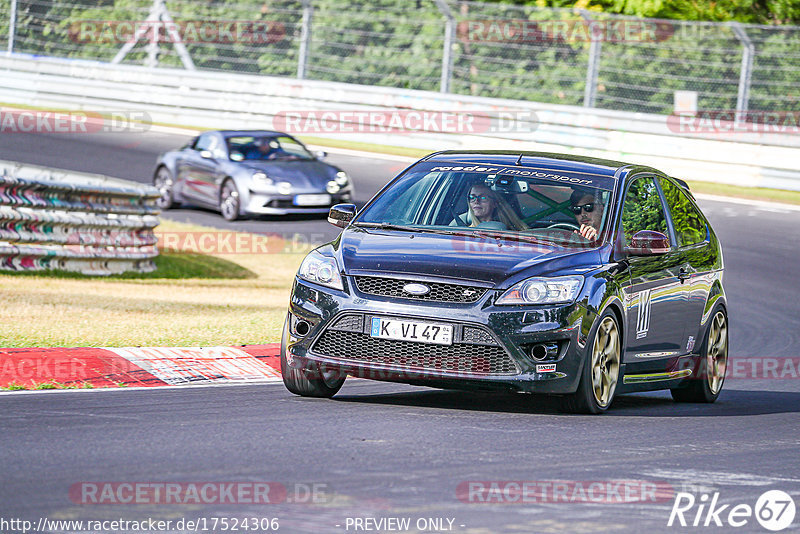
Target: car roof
(550, 160)
(566, 162)
(253, 133)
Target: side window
(690, 226)
(643, 209)
(204, 142)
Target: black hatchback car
(538, 273)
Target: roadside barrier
(87, 223)
(706, 148)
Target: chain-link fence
(493, 50)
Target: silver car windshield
(242, 148)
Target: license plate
(441, 334)
(312, 200)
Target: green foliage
(752, 11)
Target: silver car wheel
(229, 201)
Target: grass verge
(192, 299)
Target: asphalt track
(384, 450)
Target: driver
(263, 148)
(588, 211)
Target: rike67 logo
(774, 510)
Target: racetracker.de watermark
(404, 121)
(207, 492)
(523, 31)
(222, 242)
(735, 122)
(563, 491)
(252, 32)
(73, 122)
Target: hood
(481, 259)
(310, 173)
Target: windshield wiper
(385, 226)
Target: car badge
(469, 292)
(416, 289)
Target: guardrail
(238, 101)
(92, 224)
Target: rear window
(690, 225)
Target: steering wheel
(565, 226)
(457, 218)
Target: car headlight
(262, 178)
(332, 187)
(561, 290)
(341, 179)
(321, 270)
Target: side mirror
(648, 243)
(206, 154)
(236, 156)
(341, 214)
(320, 154)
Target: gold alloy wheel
(717, 353)
(605, 362)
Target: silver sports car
(249, 172)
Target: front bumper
(491, 347)
(258, 203)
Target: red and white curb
(139, 366)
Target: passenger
(588, 212)
(486, 205)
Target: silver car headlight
(341, 179)
(262, 178)
(321, 270)
(560, 290)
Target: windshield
(279, 147)
(544, 205)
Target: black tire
(229, 201)
(165, 183)
(603, 354)
(307, 383)
(708, 376)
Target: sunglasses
(588, 208)
(482, 198)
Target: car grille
(474, 350)
(439, 292)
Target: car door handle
(683, 275)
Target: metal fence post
(447, 52)
(12, 27)
(592, 68)
(305, 39)
(745, 71)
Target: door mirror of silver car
(341, 214)
(648, 243)
(320, 154)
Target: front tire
(706, 383)
(313, 382)
(601, 369)
(229, 201)
(165, 184)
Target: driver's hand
(588, 232)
